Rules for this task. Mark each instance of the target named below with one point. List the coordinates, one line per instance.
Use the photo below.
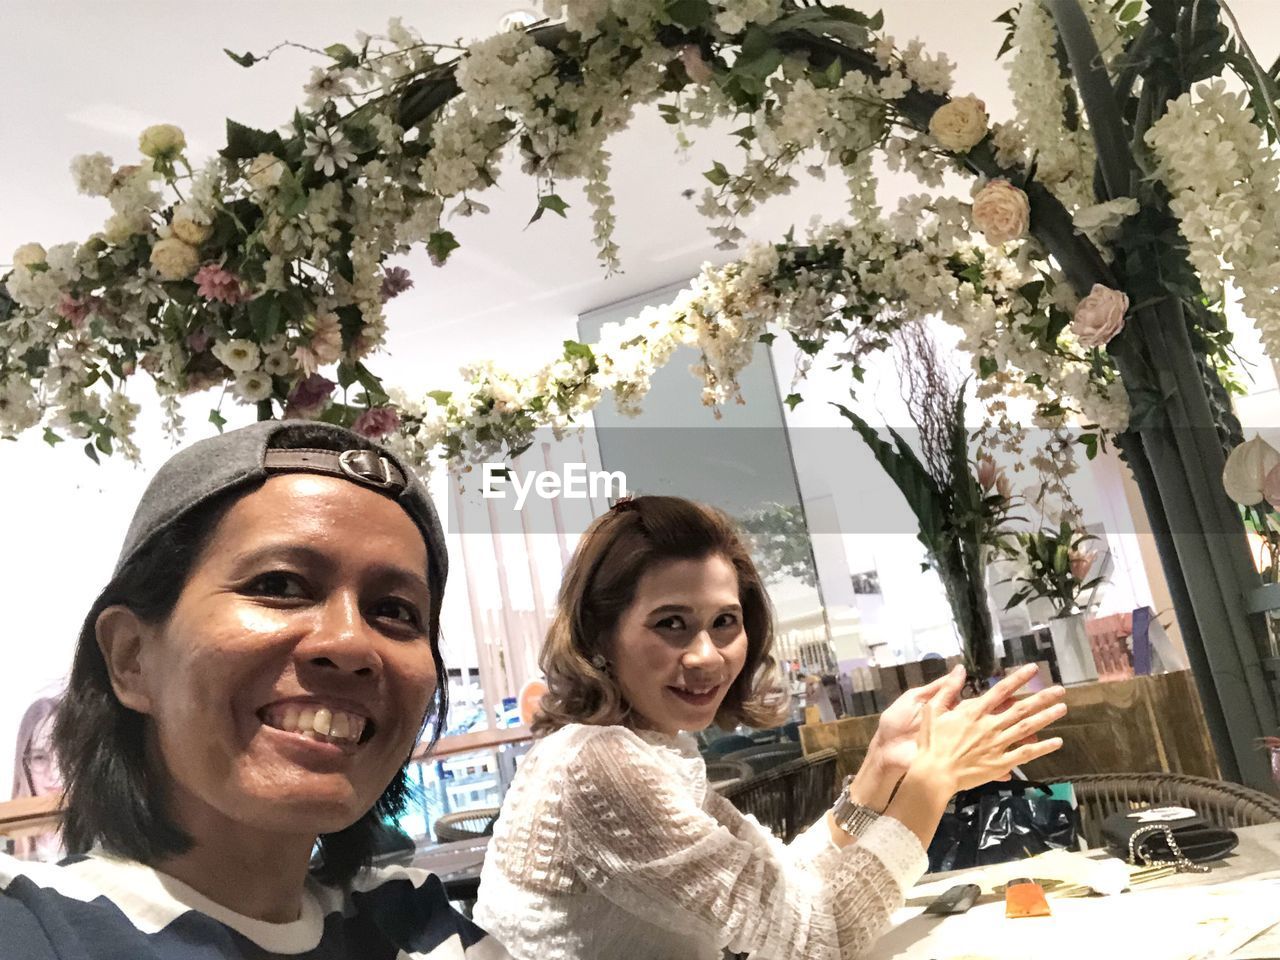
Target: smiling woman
(248, 689)
(611, 844)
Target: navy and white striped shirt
(101, 908)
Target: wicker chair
(466, 824)
(1223, 804)
(789, 797)
(724, 773)
(765, 756)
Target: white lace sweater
(610, 846)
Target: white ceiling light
(517, 18)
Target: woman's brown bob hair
(600, 584)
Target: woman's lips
(697, 699)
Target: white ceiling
(79, 76)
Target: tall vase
(1072, 649)
(964, 576)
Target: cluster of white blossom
(1224, 184)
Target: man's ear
(121, 635)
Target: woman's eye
(399, 610)
(670, 623)
(726, 620)
(277, 584)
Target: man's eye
(401, 611)
(276, 584)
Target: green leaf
(244, 143)
(1130, 11)
(439, 245)
(792, 400)
(690, 14)
(718, 174)
(549, 201)
(91, 453)
(573, 350)
(51, 438)
(1090, 443)
(244, 59)
(768, 338)
(376, 393)
(217, 419)
(440, 396)
(343, 54)
(987, 366)
(103, 443)
(264, 316)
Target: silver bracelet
(852, 818)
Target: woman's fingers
(1033, 724)
(1032, 751)
(1006, 688)
(1019, 709)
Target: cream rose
(162, 140)
(1099, 316)
(1001, 212)
(960, 124)
(264, 172)
(187, 228)
(29, 254)
(174, 259)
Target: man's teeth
(320, 723)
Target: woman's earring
(600, 663)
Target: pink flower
(699, 70)
(1080, 562)
(1100, 316)
(75, 309)
(986, 473)
(199, 341)
(376, 422)
(1001, 212)
(308, 397)
(395, 281)
(218, 284)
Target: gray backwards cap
(245, 457)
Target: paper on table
(1181, 923)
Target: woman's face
(290, 682)
(681, 644)
(41, 762)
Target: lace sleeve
(645, 843)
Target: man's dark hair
(111, 795)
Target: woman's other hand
(895, 742)
(983, 739)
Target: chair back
(723, 773)
(789, 797)
(466, 824)
(1223, 804)
(765, 756)
(729, 743)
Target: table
(1173, 918)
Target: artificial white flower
(92, 173)
(29, 255)
(330, 148)
(960, 124)
(163, 140)
(264, 172)
(187, 226)
(238, 356)
(174, 259)
(252, 385)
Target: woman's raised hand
(984, 738)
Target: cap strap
(367, 467)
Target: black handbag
(1166, 836)
(1002, 821)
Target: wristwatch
(852, 818)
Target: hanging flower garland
(264, 270)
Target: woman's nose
(701, 653)
(342, 639)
